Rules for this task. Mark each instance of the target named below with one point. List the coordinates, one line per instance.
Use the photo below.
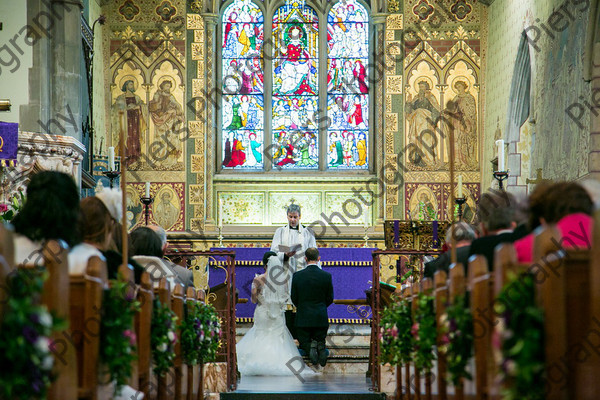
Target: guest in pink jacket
(564, 204)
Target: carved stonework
(42, 152)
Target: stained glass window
(295, 87)
(271, 110)
(243, 90)
(347, 86)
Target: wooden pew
(143, 322)
(441, 297)
(86, 292)
(163, 293)
(427, 288)
(415, 289)
(406, 293)
(457, 288)
(201, 298)
(55, 296)
(190, 302)
(177, 304)
(7, 246)
(483, 323)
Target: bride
(268, 347)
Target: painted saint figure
(421, 113)
(463, 117)
(296, 68)
(130, 120)
(167, 115)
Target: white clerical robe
(290, 237)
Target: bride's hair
(266, 257)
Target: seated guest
(148, 251)
(496, 214)
(51, 211)
(114, 255)
(96, 225)
(463, 235)
(565, 204)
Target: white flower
(45, 319)
(162, 348)
(47, 363)
(42, 344)
(171, 336)
(201, 337)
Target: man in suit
(463, 235)
(498, 216)
(312, 293)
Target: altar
(350, 269)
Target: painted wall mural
(442, 102)
(146, 73)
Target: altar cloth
(350, 269)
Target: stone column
(55, 77)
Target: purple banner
(350, 269)
(9, 141)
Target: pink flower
(415, 329)
(3, 207)
(394, 331)
(445, 339)
(131, 335)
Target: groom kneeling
(312, 293)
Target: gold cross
(538, 179)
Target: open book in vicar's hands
(286, 249)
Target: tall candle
(500, 144)
(220, 213)
(111, 159)
(460, 192)
(147, 189)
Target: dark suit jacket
(312, 293)
(443, 262)
(485, 246)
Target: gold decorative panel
(310, 203)
(241, 208)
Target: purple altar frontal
(350, 269)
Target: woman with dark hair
(564, 204)
(114, 257)
(148, 252)
(96, 229)
(51, 211)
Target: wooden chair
(143, 322)
(441, 297)
(86, 292)
(177, 304)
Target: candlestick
(146, 201)
(111, 175)
(460, 186)
(148, 189)
(460, 201)
(500, 144)
(111, 159)
(220, 237)
(501, 176)
(220, 215)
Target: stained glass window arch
(295, 93)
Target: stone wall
(550, 140)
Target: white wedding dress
(268, 347)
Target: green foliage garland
(25, 345)
(396, 339)
(163, 337)
(200, 334)
(457, 339)
(424, 332)
(117, 338)
(521, 328)
(8, 211)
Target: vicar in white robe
(293, 235)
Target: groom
(312, 293)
